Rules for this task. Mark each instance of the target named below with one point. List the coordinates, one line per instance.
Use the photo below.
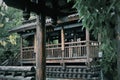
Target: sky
(0, 2)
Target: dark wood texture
(88, 46)
(40, 55)
(62, 45)
(61, 10)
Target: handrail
(75, 42)
(16, 59)
(53, 44)
(5, 62)
(59, 44)
(72, 50)
(27, 47)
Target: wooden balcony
(74, 52)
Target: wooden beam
(62, 39)
(36, 8)
(63, 45)
(99, 37)
(21, 50)
(40, 55)
(87, 35)
(35, 47)
(88, 46)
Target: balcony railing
(72, 50)
(28, 52)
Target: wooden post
(99, 37)
(40, 55)
(62, 45)
(87, 46)
(35, 43)
(21, 52)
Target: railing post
(70, 51)
(88, 46)
(62, 44)
(35, 47)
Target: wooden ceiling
(52, 8)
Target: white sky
(0, 2)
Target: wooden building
(70, 50)
(67, 42)
(69, 47)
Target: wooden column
(21, 46)
(40, 55)
(99, 37)
(62, 44)
(35, 47)
(87, 45)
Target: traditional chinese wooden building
(69, 47)
(67, 42)
(69, 51)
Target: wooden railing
(28, 52)
(94, 49)
(75, 49)
(72, 50)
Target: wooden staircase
(14, 61)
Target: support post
(99, 37)
(35, 47)
(62, 45)
(88, 46)
(40, 55)
(21, 50)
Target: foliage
(100, 16)
(9, 18)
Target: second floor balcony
(74, 52)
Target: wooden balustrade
(28, 52)
(94, 49)
(72, 50)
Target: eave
(55, 10)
